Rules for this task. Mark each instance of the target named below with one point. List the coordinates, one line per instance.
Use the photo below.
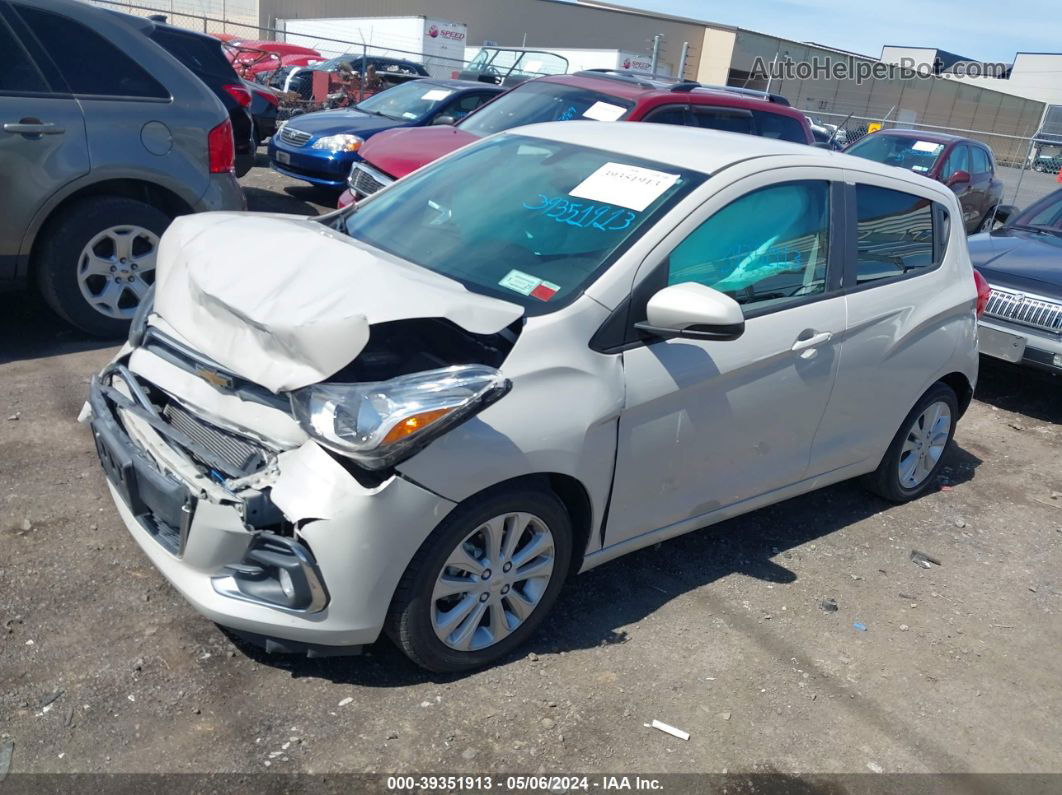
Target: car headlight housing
(381, 423)
(338, 143)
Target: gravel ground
(722, 633)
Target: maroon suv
(602, 95)
(963, 164)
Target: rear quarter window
(780, 127)
(201, 55)
(897, 233)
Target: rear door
(42, 140)
(959, 160)
(981, 180)
(900, 304)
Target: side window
(18, 75)
(979, 161)
(782, 128)
(958, 160)
(769, 246)
(672, 115)
(727, 119)
(894, 233)
(89, 63)
(467, 104)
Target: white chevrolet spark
(546, 350)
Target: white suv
(548, 349)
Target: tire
(888, 480)
(69, 271)
(415, 613)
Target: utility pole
(682, 60)
(656, 53)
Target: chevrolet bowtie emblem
(213, 377)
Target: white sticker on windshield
(926, 146)
(632, 187)
(920, 168)
(604, 111)
(436, 94)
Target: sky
(984, 30)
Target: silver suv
(104, 139)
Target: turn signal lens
(984, 292)
(411, 425)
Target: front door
(708, 424)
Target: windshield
(1044, 215)
(406, 101)
(895, 150)
(536, 238)
(539, 101)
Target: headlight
(338, 143)
(378, 424)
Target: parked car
(598, 94)
(254, 59)
(300, 79)
(963, 164)
(1022, 262)
(104, 138)
(202, 55)
(321, 147)
(556, 346)
(265, 105)
(1047, 164)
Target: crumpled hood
(285, 302)
(1021, 260)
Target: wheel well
(960, 385)
(147, 192)
(573, 495)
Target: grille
(243, 457)
(1019, 308)
(364, 183)
(294, 137)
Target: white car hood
(286, 302)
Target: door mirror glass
(693, 311)
(958, 178)
(444, 119)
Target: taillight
(221, 150)
(272, 99)
(984, 292)
(239, 93)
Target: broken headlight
(378, 424)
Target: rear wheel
(96, 261)
(483, 581)
(914, 458)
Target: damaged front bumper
(291, 551)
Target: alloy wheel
(492, 581)
(924, 444)
(116, 268)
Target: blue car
(320, 147)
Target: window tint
(669, 116)
(467, 104)
(725, 119)
(769, 246)
(18, 73)
(958, 160)
(538, 100)
(779, 127)
(201, 54)
(979, 160)
(895, 233)
(89, 63)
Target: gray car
(104, 139)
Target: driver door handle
(812, 341)
(26, 127)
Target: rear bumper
(223, 193)
(355, 542)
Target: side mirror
(957, 178)
(444, 119)
(1004, 212)
(693, 311)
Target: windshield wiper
(1040, 230)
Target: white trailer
(597, 59)
(439, 44)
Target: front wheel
(483, 581)
(916, 454)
